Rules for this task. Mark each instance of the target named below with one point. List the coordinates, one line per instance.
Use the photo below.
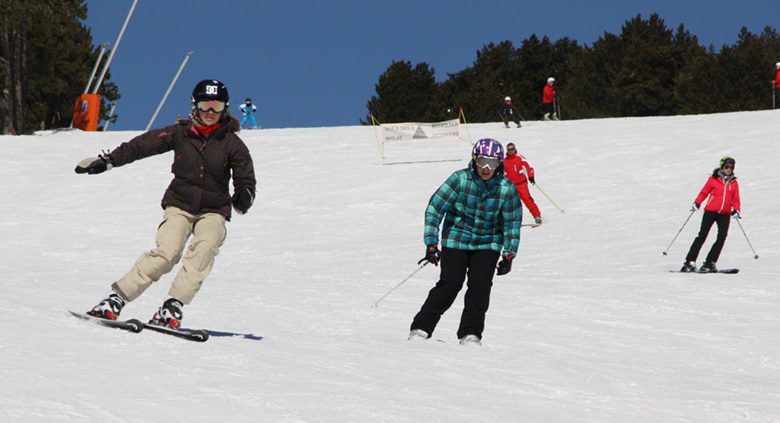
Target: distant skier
(247, 109)
(520, 172)
(776, 82)
(548, 98)
(509, 112)
(207, 153)
(723, 193)
(482, 215)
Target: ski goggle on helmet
(213, 105)
(487, 153)
(727, 161)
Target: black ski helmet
(248, 101)
(210, 89)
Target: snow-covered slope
(588, 327)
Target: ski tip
(200, 335)
(136, 325)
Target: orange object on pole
(86, 114)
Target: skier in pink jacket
(722, 194)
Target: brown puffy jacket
(202, 165)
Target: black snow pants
(707, 221)
(456, 265)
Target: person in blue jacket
(247, 109)
(481, 216)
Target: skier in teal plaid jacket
(478, 215)
(481, 213)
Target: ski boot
(708, 267)
(109, 308)
(417, 334)
(688, 267)
(169, 314)
(471, 340)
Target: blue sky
(308, 63)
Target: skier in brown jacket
(197, 203)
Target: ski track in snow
(588, 327)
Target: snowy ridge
(589, 326)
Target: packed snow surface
(590, 325)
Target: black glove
(695, 207)
(531, 180)
(431, 254)
(242, 200)
(95, 165)
(505, 265)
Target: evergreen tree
(745, 66)
(14, 27)
(589, 82)
(642, 85)
(404, 94)
(41, 80)
(696, 86)
(479, 89)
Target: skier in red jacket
(723, 191)
(548, 98)
(776, 82)
(520, 172)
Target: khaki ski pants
(208, 234)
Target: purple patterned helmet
(488, 147)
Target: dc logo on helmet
(212, 89)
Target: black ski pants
(510, 116)
(456, 265)
(707, 221)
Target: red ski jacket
(548, 94)
(722, 197)
(777, 79)
(517, 169)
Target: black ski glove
(431, 254)
(95, 165)
(531, 180)
(242, 200)
(505, 265)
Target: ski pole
(755, 256)
(376, 303)
(548, 197)
(678, 232)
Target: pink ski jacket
(723, 197)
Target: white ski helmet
(777, 65)
(550, 80)
(507, 98)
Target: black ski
(727, 271)
(188, 334)
(132, 325)
(733, 271)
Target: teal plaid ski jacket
(478, 215)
